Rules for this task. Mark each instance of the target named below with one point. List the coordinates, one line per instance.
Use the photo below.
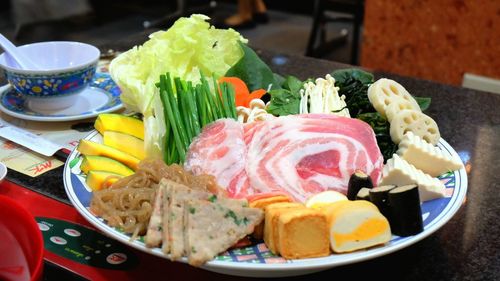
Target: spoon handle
(14, 53)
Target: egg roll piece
(356, 225)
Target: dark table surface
(466, 248)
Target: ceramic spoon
(14, 53)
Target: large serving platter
(257, 260)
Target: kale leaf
(381, 128)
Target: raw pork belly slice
(307, 154)
(220, 151)
(299, 155)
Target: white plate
(102, 95)
(256, 260)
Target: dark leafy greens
(353, 84)
(381, 128)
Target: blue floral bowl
(66, 69)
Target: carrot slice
(257, 94)
(241, 91)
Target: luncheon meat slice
(307, 154)
(213, 227)
(178, 195)
(154, 233)
(220, 151)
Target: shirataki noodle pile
(128, 203)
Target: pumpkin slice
(125, 142)
(87, 147)
(106, 164)
(98, 180)
(119, 123)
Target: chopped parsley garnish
(212, 198)
(232, 215)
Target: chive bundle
(188, 108)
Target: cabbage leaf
(191, 45)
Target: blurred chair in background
(318, 44)
(27, 12)
(183, 8)
(250, 12)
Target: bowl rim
(3, 171)
(36, 235)
(57, 70)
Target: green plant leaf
(251, 69)
(424, 103)
(284, 102)
(73, 162)
(381, 128)
(342, 75)
(293, 84)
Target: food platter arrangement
(228, 166)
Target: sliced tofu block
(303, 233)
(356, 225)
(399, 172)
(426, 157)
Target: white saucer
(102, 95)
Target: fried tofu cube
(270, 222)
(262, 204)
(303, 233)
